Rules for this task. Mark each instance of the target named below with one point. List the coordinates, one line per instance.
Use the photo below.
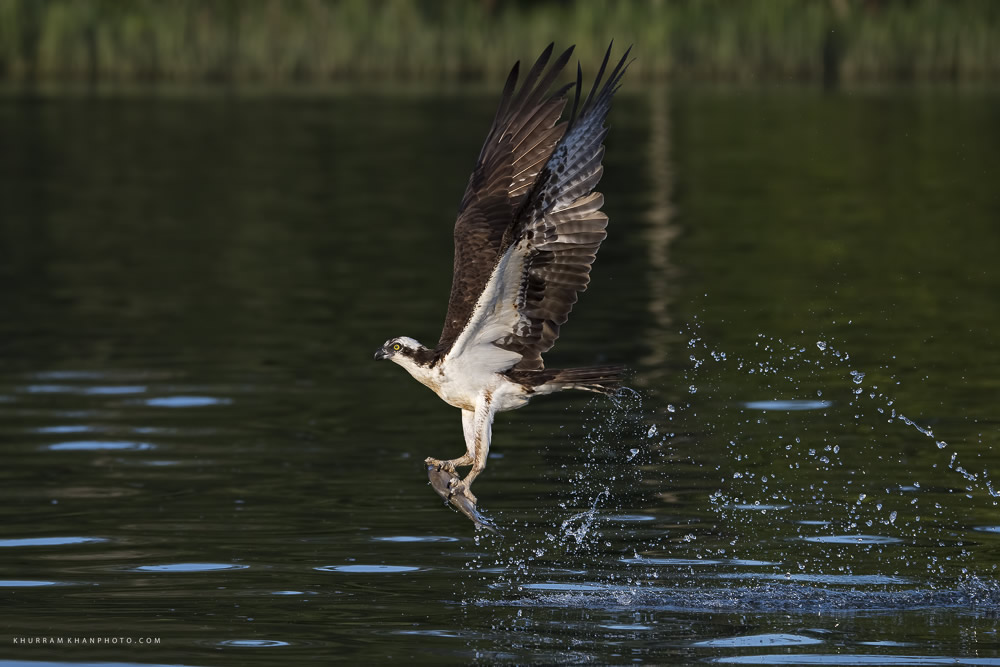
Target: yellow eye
(397, 347)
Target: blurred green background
(317, 40)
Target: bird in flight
(528, 229)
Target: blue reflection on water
(190, 567)
(98, 445)
(47, 541)
(368, 569)
(101, 390)
(29, 583)
(415, 538)
(186, 401)
(788, 405)
(642, 560)
(853, 539)
(776, 639)
(70, 428)
(253, 643)
(847, 659)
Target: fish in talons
(446, 483)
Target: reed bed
(317, 40)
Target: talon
(459, 487)
(440, 465)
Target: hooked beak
(380, 354)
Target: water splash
(796, 489)
(577, 527)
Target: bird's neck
(424, 372)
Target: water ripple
(763, 507)
(448, 634)
(368, 569)
(415, 538)
(48, 541)
(629, 518)
(789, 405)
(853, 539)
(68, 428)
(99, 445)
(186, 401)
(114, 390)
(850, 660)
(68, 375)
(642, 560)
(776, 639)
(99, 390)
(760, 596)
(848, 579)
(254, 643)
(30, 583)
(190, 567)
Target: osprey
(528, 229)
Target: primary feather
(520, 141)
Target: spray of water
(777, 473)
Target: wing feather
(518, 146)
(562, 227)
(545, 253)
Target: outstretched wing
(547, 252)
(521, 140)
(562, 226)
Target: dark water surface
(198, 449)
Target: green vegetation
(291, 40)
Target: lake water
(201, 464)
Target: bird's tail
(600, 379)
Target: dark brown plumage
(533, 183)
(521, 140)
(563, 224)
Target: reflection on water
(189, 567)
(760, 640)
(855, 659)
(197, 447)
(89, 445)
(48, 541)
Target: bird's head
(402, 350)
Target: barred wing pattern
(561, 227)
(519, 144)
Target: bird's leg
(451, 464)
(468, 428)
(478, 428)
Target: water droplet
(692, 389)
(821, 345)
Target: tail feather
(600, 379)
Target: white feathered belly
(461, 390)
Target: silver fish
(440, 479)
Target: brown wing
(520, 142)
(561, 227)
